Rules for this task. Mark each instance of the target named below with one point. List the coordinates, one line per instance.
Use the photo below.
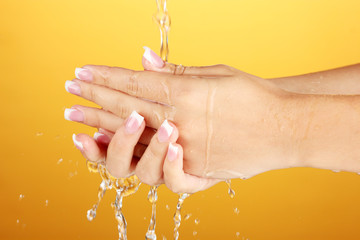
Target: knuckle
(121, 110)
(132, 85)
(92, 94)
(106, 75)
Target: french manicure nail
(77, 143)
(153, 58)
(100, 137)
(134, 122)
(165, 131)
(172, 152)
(72, 114)
(83, 74)
(72, 87)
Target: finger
(100, 118)
(152, 62)
(122, 104)
(104, 139)
(150, 167)
(175, 178)
(144, 84)
(121, 148)
(89, 148)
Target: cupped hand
(232, 124)
(161, 162)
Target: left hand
(161, 162)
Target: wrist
(323, 131)
(292, 123)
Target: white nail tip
(147, 54)
(137, 116)
(173, 148)
(97, 135)
(76, 142)
(168, 128)
(77, 71)
(68, 84)
(67, 113)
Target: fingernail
(100, 137)
(172, 152)
(134, 122)
(77, 143)
(83, 74)
(165, 131)
(72, 114)
(72, 87)
(153, 58)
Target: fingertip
(146, 64)
(101, 138)
(173, 152)
(175, 132)
(88, 147)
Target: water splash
(123, 186)
(231, 192)
(177, 216)
(21, 197)
(236, 211)
(187, 216)
(152, 198)
(91, 213)
(162, 18)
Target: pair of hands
(224, 123)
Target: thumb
(153, 62)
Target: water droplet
(194, 233)
(38, 134)
(17, 221)
(197, 221)
(59, 161)
(231, 192)
(91, 214)
(236, 211)
(167, 207)
(237, 234)
(46, 203)
(187, 216)
(21, 197)
(336, 171)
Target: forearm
(326, 132)
(340, 81)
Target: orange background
(41, 43)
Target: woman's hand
(232, 124)
(161, 162)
